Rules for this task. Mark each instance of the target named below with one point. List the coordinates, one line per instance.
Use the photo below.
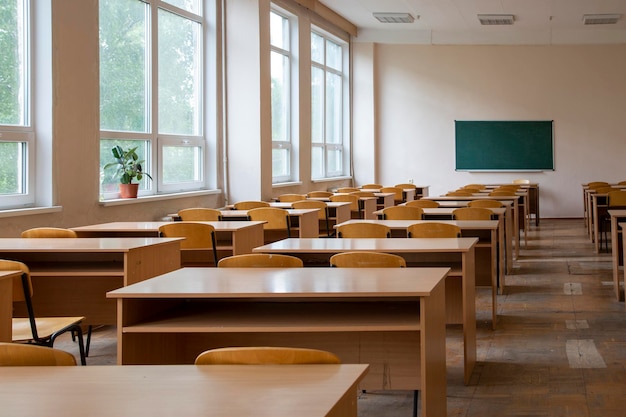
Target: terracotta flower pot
(129, 190)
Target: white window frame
(24, 133)
(156, 141)
(292, 107)
(345, 106)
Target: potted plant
(128, 168)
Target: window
(329, 106)
(17, 138)
(151, 91)
(283, 102)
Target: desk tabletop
(286, 283)
(225, 226)
(403, 224)
(170, 390)
(104, 244)
(448, 210)
(472, 197)
(294, 245)
(292, 212)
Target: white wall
(419, 90)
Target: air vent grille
(394, 17)
(496, 19)
(601, 19)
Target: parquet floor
(559, 348)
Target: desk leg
(469, 314)
(6, 309)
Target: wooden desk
(533, 197)
(617, 249)
(186, 390)
(6, 304)
(456, 253)
(233, 237)
(368, 203)
(395, 323)
(408, 194)
(599, 207)
(71, 276)
(338, 212)
(304, 222)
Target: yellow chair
(248, 205)
(616, 200)
(606, 190)
(319, 194)
(363, 193)
(265, 355)
(402, 213)
(398, 197)
(200, 214)
(475, 186)
(42, 331)
(367, 260)
(322, 215)
(485, 203)
(198, 237)
(422, 203)
(363, 230)
(277, 225)
(372, 186)
(521, 181)
(472, 213)
(260, 260)
(347, 189)
(18, 354)
(289, 198)
(459, 193)
(356, 211)
(433, 230)
(43, 232)
(406, 185)
(596, 184)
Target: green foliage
(127, 165)
(10, 68)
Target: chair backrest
(402, 213)
(363, 193)
(200, 214)
(18, 287)
(617, 199)
(596, 184)
(363, 230)
(406, 185)
(508, 187)
(472, 213)
(422, 203)
(275, 218)
(288, 198)
(372, 186)
(260, 260)
(313, 204)
(349, 198)
(475, 186)
(197, 235)
(19, 354)
(606, 190)
(42, 232)
(247, 205)
(433, 230)
(319, 194)
(521, 181)
(347, 189)
(485, 203)
(367, 260)
(621, 183)
(459, 193)
(397, 191)
(265, 356)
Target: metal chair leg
(416, 394)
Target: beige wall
(420, 90)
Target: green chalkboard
(504, 145)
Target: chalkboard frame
(504, 145)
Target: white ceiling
(445, 22)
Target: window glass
(12, 167)
(109, 179)
(279, 31)
(334, 109)
(317, 48)
(333, 55)
(188, 5)
(280, 97)
(317, 105)
(13, 61)
(176, 166)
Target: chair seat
(46, 327)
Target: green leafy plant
(127, 164)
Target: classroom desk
(338, 212)
(533, 197)
(617, 250)
(304, 222)
(233, 237)
(511, 203)
(599, 207)
(185, 390)
(393, 322)
(408, 194)
(368, 204)
(455, 253)
(6, 304)
(71, 276)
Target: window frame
(326, 146)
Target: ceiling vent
(496, 19)
(601, 19)
(394, 17)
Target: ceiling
(449, 22)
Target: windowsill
(156, 197)
(286, 184)
(331, 179)
(29, 211)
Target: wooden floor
(559, 349)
